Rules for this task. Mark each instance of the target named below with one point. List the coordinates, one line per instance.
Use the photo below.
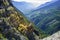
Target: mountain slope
(47, 18)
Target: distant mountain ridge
(47, 17)
(48, 4)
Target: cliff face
(12, 23)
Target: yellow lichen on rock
(6, 2)
(10, 8)
(2, 11)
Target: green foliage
(2, 37)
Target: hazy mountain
(48, 4)
(45, 6)
(47, 17)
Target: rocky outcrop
(13, 24)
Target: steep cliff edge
(12, 23)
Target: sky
(34, 2)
